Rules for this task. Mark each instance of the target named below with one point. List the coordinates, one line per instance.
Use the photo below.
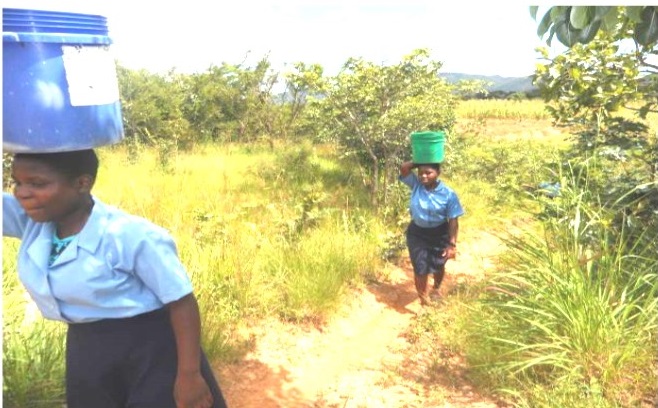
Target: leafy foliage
(151, 107)
(589, 82)
(370, 110)
(232, 102)
(580, 24)
(589, 85)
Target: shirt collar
(90, 235)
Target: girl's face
(428, 176)
(45, 194)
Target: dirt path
(360, 358)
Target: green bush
(577, 305)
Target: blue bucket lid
(23, 25)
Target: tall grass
(572, 315)
(33, 349)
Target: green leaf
(646, 31)
(544, 25)
(533, 12)
(550, 36)
(634, 13)
(581, 16)
(588, 33)
(559, 13)
(610, 19)
(563, 32)
(601, 11)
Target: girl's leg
(154, 370)
(421, 288)
(438, 276)
(93, 374)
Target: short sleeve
(157, 264)
(410, 179)
(14, 219)
(454, 206)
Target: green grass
(570, 314)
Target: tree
(300, 85)
(370, 111)
(587, 85)
(232, 102)
(151, 107)
(577, 26)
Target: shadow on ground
(398, 296)
(255, 384)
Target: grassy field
(288, 231)
(532, 109)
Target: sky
(492, 38)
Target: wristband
(452, 245)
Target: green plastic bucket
(427, 147)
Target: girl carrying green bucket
(435, 210)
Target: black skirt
(426, 247)
(116, 363)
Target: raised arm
(405, 168)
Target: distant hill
(500, 84)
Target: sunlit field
(526, 109)
(288, 231)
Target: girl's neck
(75, 220)
(433, 186)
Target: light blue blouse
(118, 265)
(431, 208)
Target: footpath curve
(361, 357)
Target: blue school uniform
(117, 266)
(427, 234)
(110, 282)
(431, 208)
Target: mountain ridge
(497, 83)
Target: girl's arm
(405, 168)
(453, 231)
(190, 388)
(14, 219)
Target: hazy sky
(494, 38)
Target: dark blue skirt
(426, 247)
(117, 363)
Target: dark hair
(435, 166)
(71, 164)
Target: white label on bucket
(90, 74)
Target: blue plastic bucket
(60, 89)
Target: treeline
(225, 103)
(509, 95)
(366, 110)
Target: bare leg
(438, 277)
(421, 288)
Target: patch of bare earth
(361, 357)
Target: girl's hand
(450, 252)
(405, 168)
(191, 391)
